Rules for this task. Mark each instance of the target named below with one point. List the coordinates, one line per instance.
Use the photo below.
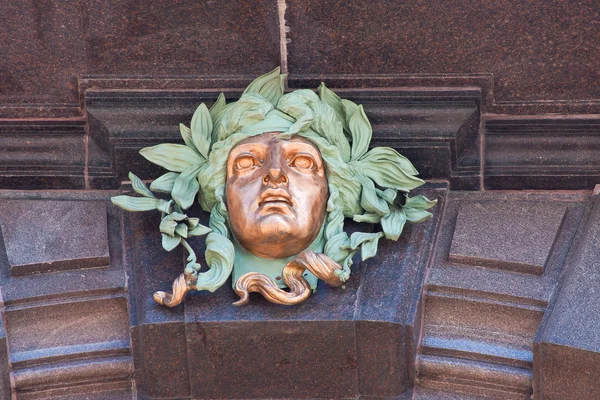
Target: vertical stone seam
(283, 40)
(86, 143)
(482, 154)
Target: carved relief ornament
(278, 173)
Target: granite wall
(92, 76)
(483, 96)
(534, 56)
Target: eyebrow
(291, 145)
(248, 148)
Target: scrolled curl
(319, 264)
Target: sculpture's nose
(275, 177)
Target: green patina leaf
(369, 199)
(174, 157)
(331, 128)
(170, 242)
(167, 226)
(165, 206)
(393, 223)
(369, 248)
(328, 97)
(175, 216)
(217, 106)
(192, 222)
(361, 130)
(389, 195)
(250, 109)
(181, 230)
(298, 104)
(186, 134)
(217, 117)
(369, 217)
(219, 255)
(349, 110)
(135, 203)
(201, 127)
(270, 86)
(186, 186)
(367, 241)
(389, 169)
(416, 216)
(419, 202)
(164, 184)
(338, 247)
(199, 230)
(139, 186)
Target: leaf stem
(191, 251)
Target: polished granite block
(568, 348)
(516, 236)
(534, 50)
(48, 45)
(65, 307)
(356, 340)
(42, 236)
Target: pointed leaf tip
(139, 186)
(201, 128)
(270, 86)
(173, 157)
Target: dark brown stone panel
(568, 373)
(535, 50)
(381, 349)
(50, 44)
(157, 332)
(272, 359)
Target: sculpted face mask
(278, 174)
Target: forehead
(270, 140)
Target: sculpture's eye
(303, 161)
(245, 161)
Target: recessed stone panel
(506, 235)
(46, 236)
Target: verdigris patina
(278, 173)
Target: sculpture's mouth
(275, 197)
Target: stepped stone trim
(542, 152)
(70, 352)
(67, 374)
(483, 296)
(67, 332)
(567, 350)
(480, 324)
(43, 154)
(438, 129)
(458, 375)
(110, 390)
(476, 350)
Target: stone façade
(486, 99)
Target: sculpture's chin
(279, 237)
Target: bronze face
(276, 194)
